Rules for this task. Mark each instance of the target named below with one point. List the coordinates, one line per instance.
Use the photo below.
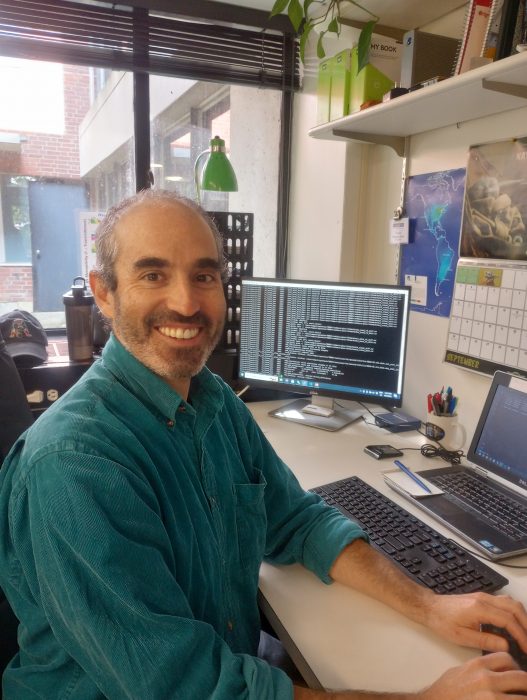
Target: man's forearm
(361, 567)
(308, 694)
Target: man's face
(169, 308)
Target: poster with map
(434, 205)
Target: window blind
(133, 39)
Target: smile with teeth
(179, 333)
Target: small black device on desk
(382, 451)
(397, 421)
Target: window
(59, 163)
(248, 119)
(77, 142)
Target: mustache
(167, 317)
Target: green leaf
(320, 47)
(363, 48)
(334, 26)
(279, 7)
(296, 14)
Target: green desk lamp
(218, 173)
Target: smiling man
(136, 512)
(163, 291)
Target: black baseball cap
(25, 338)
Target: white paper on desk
(402, 482)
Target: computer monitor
(327, 340)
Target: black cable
(367, 409)
(450, 456)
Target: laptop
(485, 500)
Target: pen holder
(446, 430)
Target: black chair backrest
(15, 414)
(15, 417)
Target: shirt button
(230, 626)
(171, 423)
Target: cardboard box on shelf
(426, 56)
(385, 55)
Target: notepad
(400, 481)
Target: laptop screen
(499, 444)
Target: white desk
(340, 638)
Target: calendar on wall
(487, 330)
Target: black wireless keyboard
(424, 554)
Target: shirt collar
(205, 393)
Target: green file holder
(324, 91)
(340, 85)
(369, 84)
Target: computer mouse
(514, 648)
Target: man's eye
(152, 277)
(207, 277)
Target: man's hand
(491, 677)
(484, 678)
(458, 617)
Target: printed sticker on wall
(419, 286)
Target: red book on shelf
(476, 23)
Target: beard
(141, 339)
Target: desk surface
(338, 637)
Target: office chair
(15, 414)
(15, 417)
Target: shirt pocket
(251, 522)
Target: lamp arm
(196, 174)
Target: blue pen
(413, 476)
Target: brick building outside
(37, 155)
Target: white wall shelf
(404, 15)
(494, 88)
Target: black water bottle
(78, 303)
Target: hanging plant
(312, 13)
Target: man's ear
(103, 296)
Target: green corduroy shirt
(132, 528)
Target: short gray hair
(106, 244)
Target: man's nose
(183, 298)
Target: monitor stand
(319, 412)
